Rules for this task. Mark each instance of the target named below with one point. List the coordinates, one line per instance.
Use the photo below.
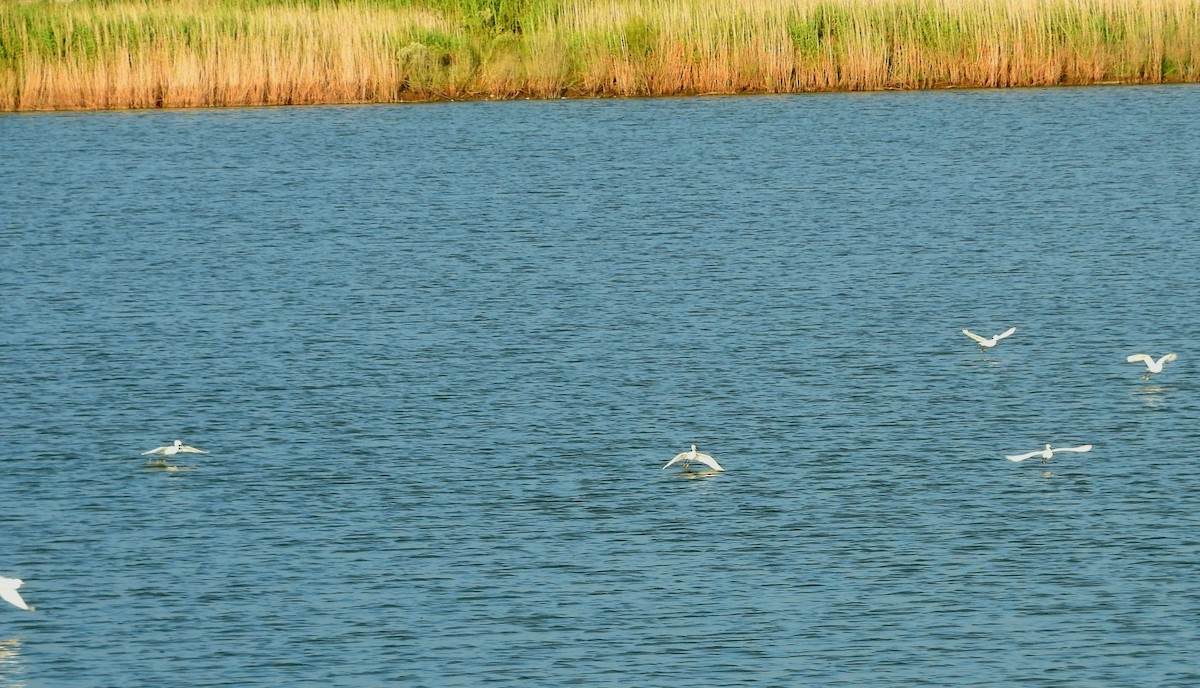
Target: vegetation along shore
(96, 54)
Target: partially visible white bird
(1152, 365)
(1049, 452)
(8, 591)
(175, 449)
(990, 341)
(688, 457)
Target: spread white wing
(1144, 358)
(1080, 448)
(678, 457)
(708, 461)
(156, 450)
(1006, 333)
(192, 450)
(974, 336)
(1167, 359)
(1022, 457)
(8, 591)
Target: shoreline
(494, 98)
(506, 99)
(159, 54)
(527, 98)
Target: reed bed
(96, 54)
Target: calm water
(439, 355)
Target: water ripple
(439, 371)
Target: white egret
(1152, 365)
(1049, 452)
(688, 457)
(990, 341)
(175, 448)
(8, 591)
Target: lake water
(439, 355)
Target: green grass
(127, 53)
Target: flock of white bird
(8, 586)
(1152, 366)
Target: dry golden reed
(93, 54)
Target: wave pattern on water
(439, 355)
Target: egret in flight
(990, 341)
(8, 591)
(174, 449)
(688, 457)
(1152, 365)
(1049, 452)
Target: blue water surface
(439, 354)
